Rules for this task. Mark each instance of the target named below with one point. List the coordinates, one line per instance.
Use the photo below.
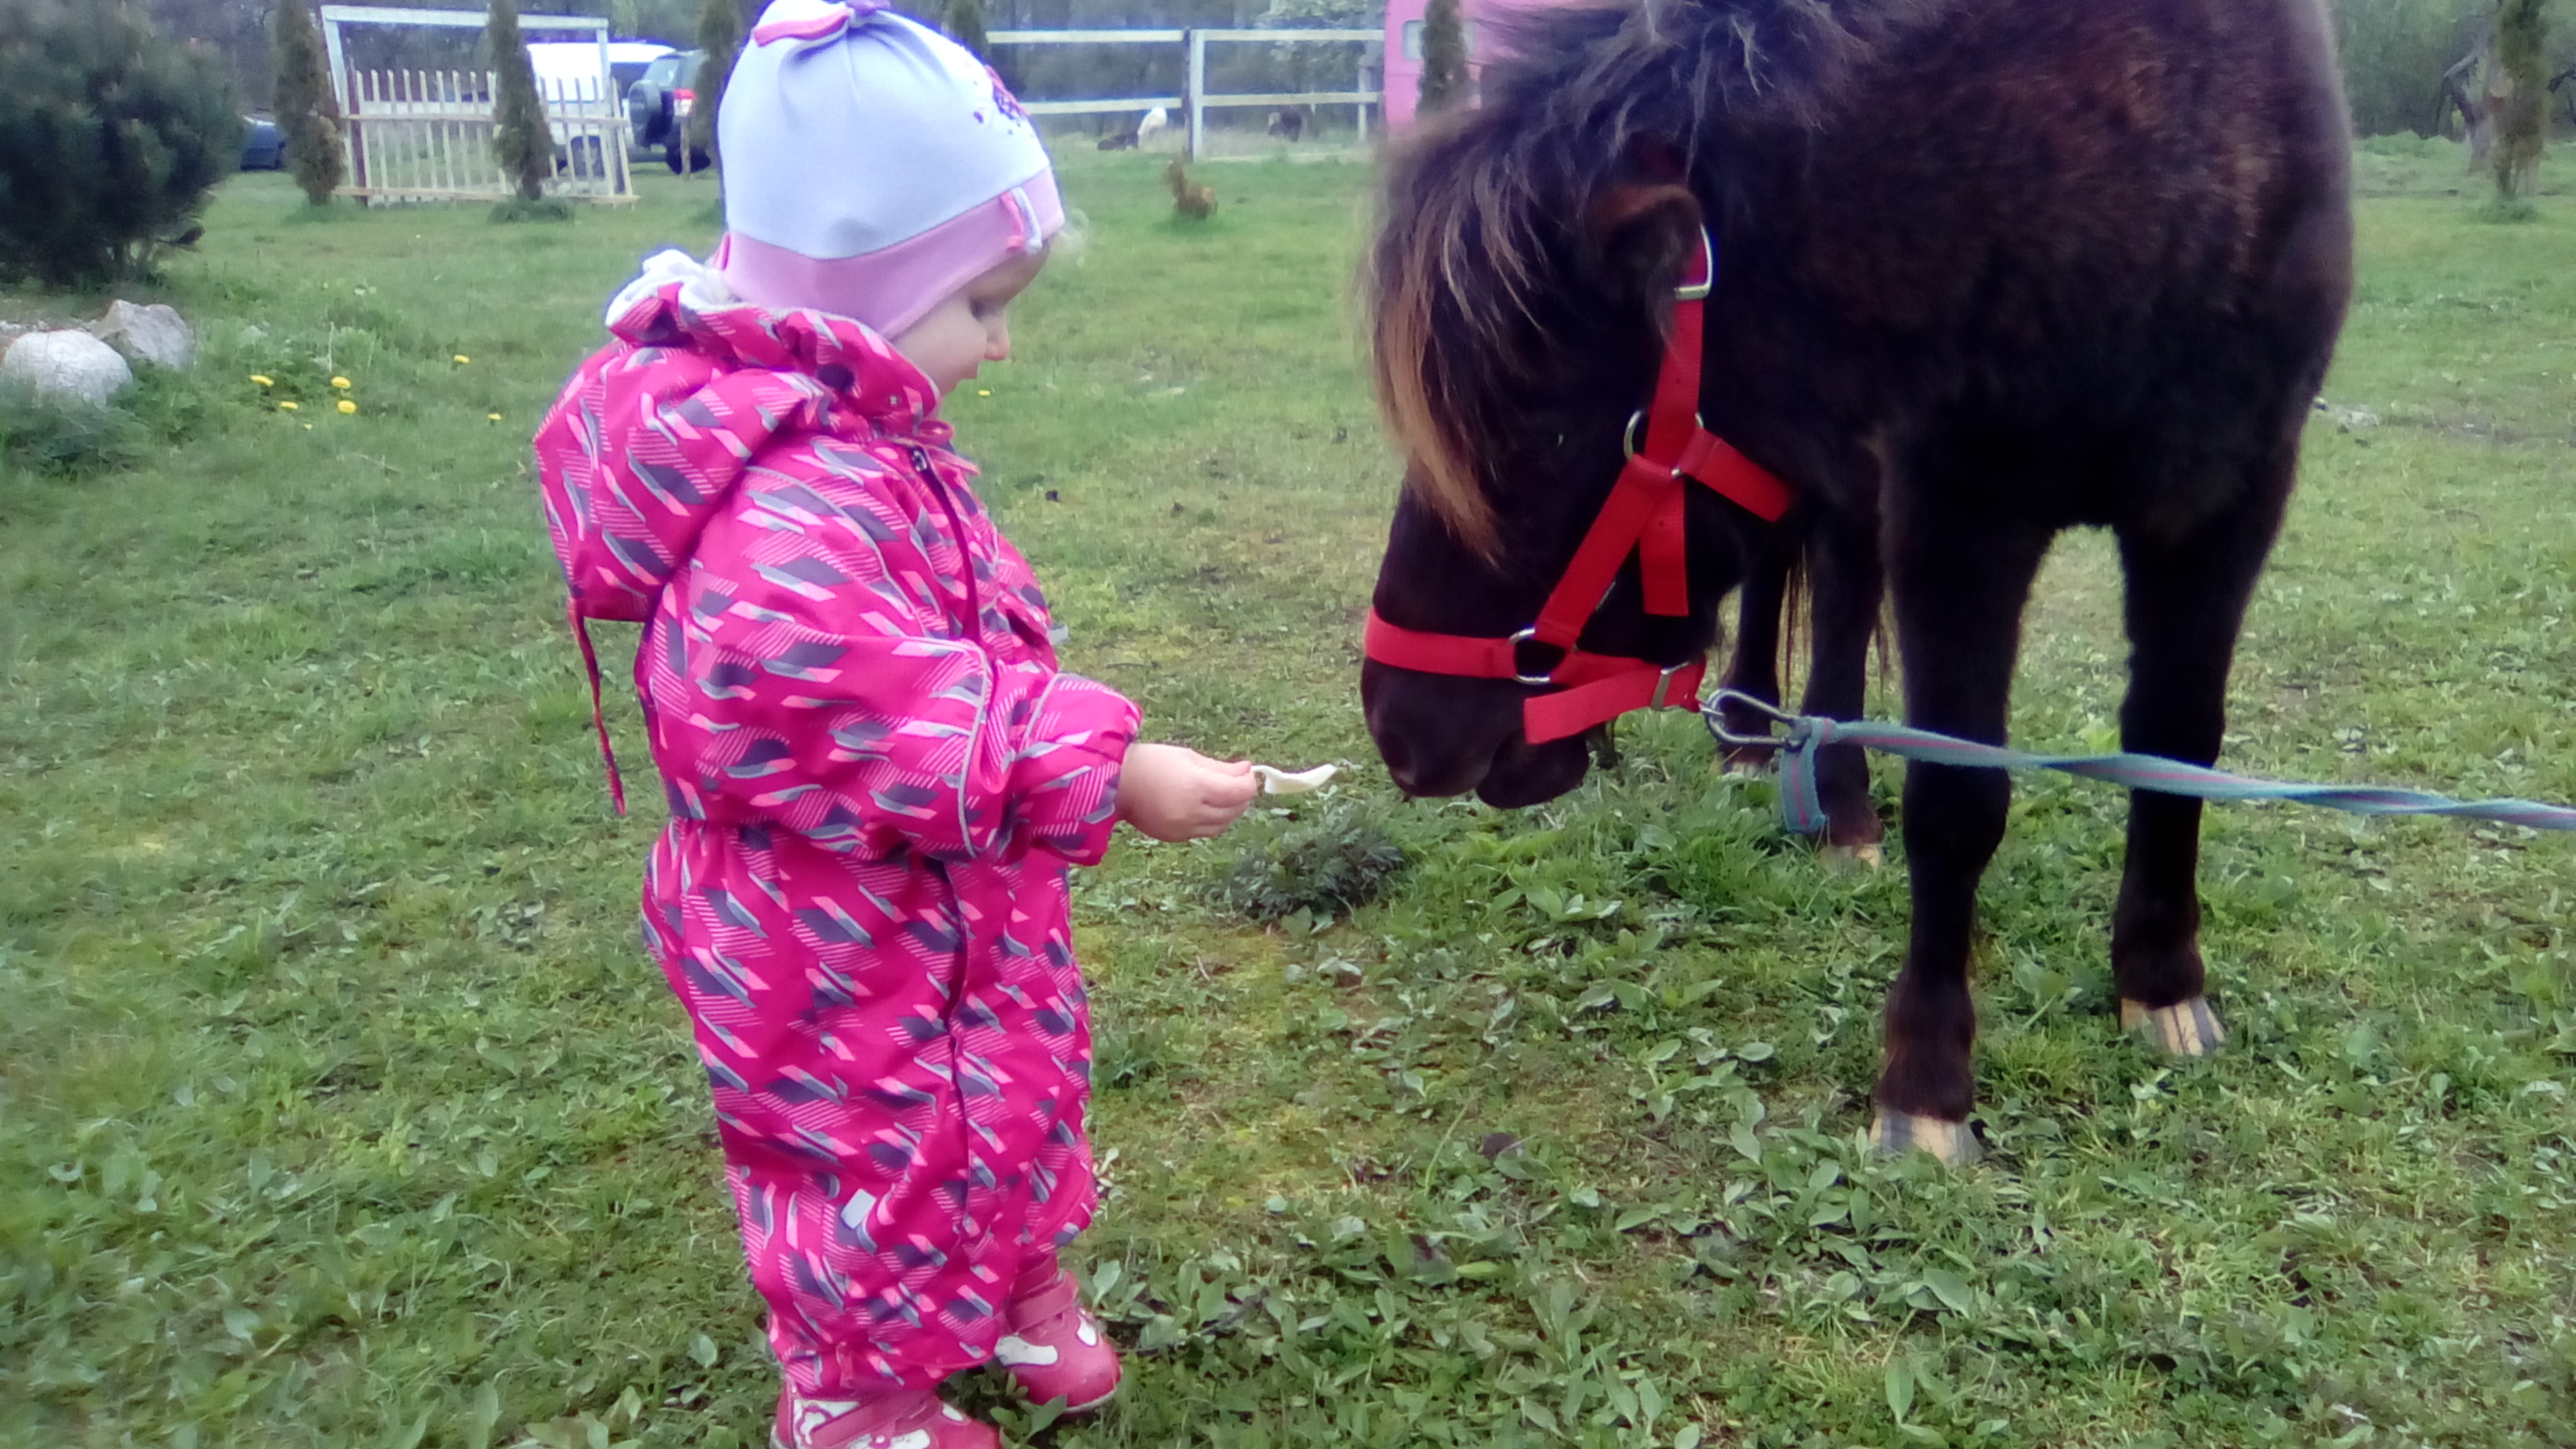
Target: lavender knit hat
(872, 166)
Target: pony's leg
(1960, 579)
(2186, 601)
(1844, 591)
(1754, 666)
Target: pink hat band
(893, 288)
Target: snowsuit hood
(711, 381)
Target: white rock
(151, 333)
(67, 366)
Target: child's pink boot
(913, 1419)
(1054, 1349)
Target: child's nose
(997, 342)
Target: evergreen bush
(308, 115)
(522, 140)
(111, 137)
(720, 36)
(1444, 58)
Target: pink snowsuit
(877, 779)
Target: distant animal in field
(1119, 140)
(1192, 199)
(1288, 123)
(1156, 122)
(1703, 280)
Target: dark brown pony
(1988, 270)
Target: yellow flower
(496, 417)
(983, 392)
(289, 406)
(263, 381)
(341, 383)
(347, 406)
(308, 427)
(462, 359)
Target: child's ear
(1645, 233)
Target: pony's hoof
(1845, 857)
(2184, 1029)
(1897, 1133)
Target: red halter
(1644, 512)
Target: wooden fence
(427, 136)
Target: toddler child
(877, 774)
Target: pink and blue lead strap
(1804, 814)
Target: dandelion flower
(263, 381)
(462, 359)
(308, 427)
(983, 392)
(496, 417)
(347, 406)
(289, 405)
(341, 383)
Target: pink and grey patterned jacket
(877, 777)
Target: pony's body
(1989, 269)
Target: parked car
(263, 148)
(657, 108)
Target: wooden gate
(427, 136)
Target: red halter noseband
(1644, 512)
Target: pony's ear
(1645, 232)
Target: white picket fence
(427, 136)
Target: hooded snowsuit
(877, 778)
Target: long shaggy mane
(1481, 206)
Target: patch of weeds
(2507, 211)
(50, 440)
(1335, 861)
(543, 208)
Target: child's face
(969, 328)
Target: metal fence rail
(1194, 44)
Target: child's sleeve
(813, 682)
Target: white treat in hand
(1282, 782)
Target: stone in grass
(67, 366)
(149, 333)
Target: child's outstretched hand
(1172, 793)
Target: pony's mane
(1478, 202)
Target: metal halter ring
(1516, 641)
(1628, 439)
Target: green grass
(339, 1107)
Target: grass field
(338, 1106)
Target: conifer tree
(308, 115)
(720, 36)
(1444, 58)
(2520, 95)
(521, 139)
(964, 22)
(115, 137)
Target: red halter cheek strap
(1644, 512)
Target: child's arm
(814, 685)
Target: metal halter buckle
(1698, 291)
(1664, 686)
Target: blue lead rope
(1804, 813)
